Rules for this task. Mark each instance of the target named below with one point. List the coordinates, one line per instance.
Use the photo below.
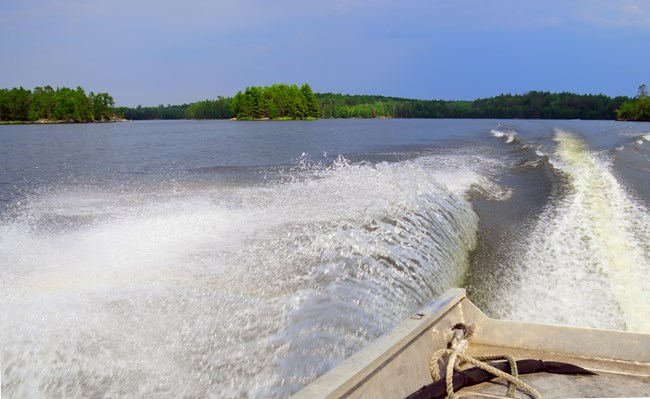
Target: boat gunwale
(596, 347)
(356, 370)
(582, 342)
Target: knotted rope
(458, 344)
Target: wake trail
(586, 261)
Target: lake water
(243, 259)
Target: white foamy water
(642, 139)
(509, 134)
(222, 291)
(586, 261)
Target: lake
(244, 259)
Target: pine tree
(310, 101)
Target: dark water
(226, 259)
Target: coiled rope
(458, 344)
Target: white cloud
(633, 15)
(633, 9)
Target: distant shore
(58, 122)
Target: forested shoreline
(221, 108)
(279, 101)
(532, 105)
(48, 105)
(637, 109)
(283, 101)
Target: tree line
(279, 101)
(283, 101)
(637, 109)
(221, 108)
(532, 105)
(60, 104)
(289, 102)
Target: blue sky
(154, 52)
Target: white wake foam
(587, 261)
(200, 289)
(509, 134)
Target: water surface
(222, 259)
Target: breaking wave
(246, 291)
(509, 134)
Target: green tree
(255, 102)
(310, 102)
(66, 107)
(16, 104)
(102, 106)
(240, 106)
(43, 102)
(222, 108)
(83, 105)
(4, 104)
(637, 109)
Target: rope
(453, 356)
(458, 344)
(513, 369)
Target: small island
(60, 105)
(276, 102)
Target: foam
(463, 174)
(643, 138)
(204, 289)
(586, 261)
(510, 135)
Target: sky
(151, 52)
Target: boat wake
(587, 260)
(193, 289)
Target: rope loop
(454, 354)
